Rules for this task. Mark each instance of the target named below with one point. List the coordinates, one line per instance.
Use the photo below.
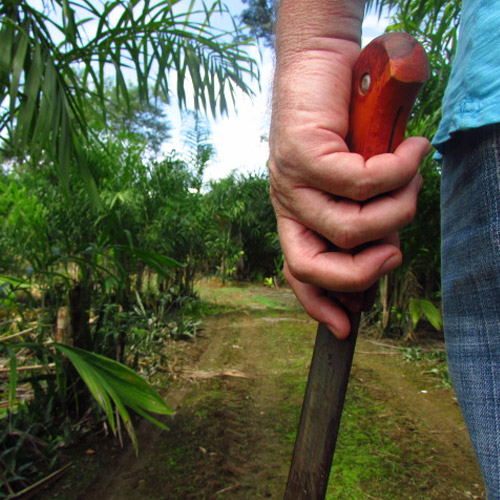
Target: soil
(237, 390)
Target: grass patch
(433, 362)
(378, 456)
(244, 295)
(366, 459)
(272, 302)
(201, 307)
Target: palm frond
(46, 85)
(112, 383)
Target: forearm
(316, 24)
(317, 44)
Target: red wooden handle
(387, 77)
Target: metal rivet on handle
(366, 81)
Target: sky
(239, 138)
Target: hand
(304, 212)
(319, 188)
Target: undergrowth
(433, 362)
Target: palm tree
(58, 57)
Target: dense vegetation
(102, 235)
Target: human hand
(319, 188)
(305, 212)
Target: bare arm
(317, 186)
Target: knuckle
(280, 191)
(359, 282)
(407, 213)
(410, 213)
(362, 190)
(272, 194)
(345, 238)
(299, 270)
(347, 232)
(283, 155)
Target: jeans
(470, 211)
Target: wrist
(317, 25)
(317, 44)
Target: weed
(433, 361)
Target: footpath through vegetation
(237, 390)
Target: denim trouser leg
(470, 207)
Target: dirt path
(238, 391)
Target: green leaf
(155, 260)
(109, 381)
(432, 314)
(17, 67)
(16, 282)
(51, 84)
(6, 40)
(92, 380)
(415, 312)
(419, 308)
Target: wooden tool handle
(387, 77)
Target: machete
(387, 77)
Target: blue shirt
(472, 97)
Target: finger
(348, 224)
(310, 261)
(350, 176)
(363, 301)
(319, 306)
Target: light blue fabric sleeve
(472, 98)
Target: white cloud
(373, 26)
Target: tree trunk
(63, 330)
(140, 276)
(79, 306)
(384, 300)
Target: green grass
(272, 303)
(433, 363)
(369, 456)
(201, 308)
(366, 459)
(244, 295)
